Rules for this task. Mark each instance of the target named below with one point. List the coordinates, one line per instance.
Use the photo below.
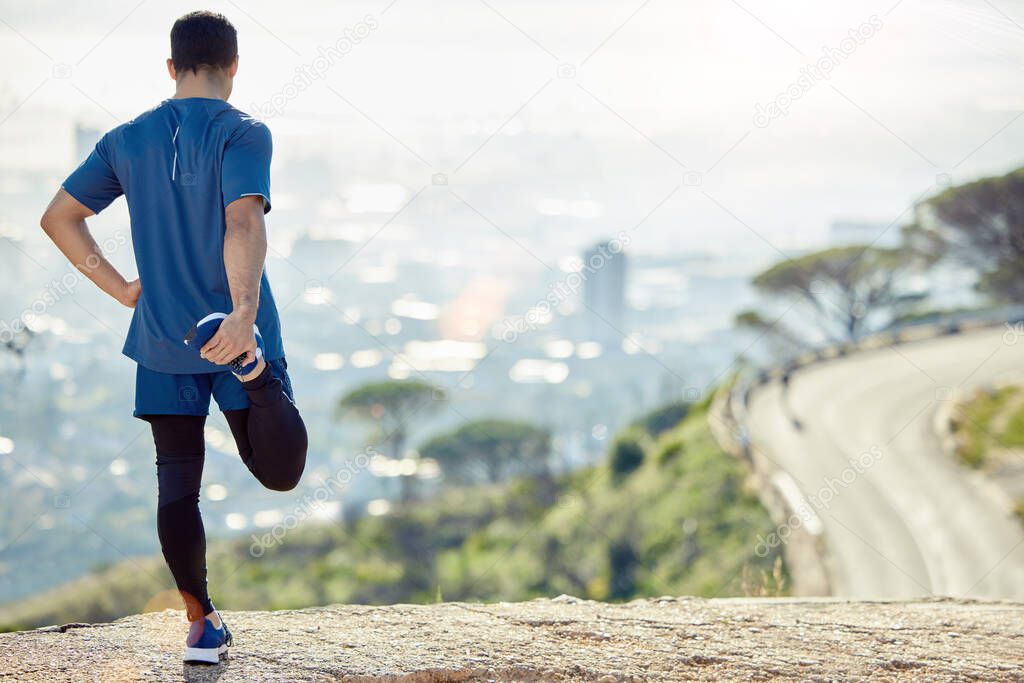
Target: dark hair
(203, 39)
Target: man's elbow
(63, 212)
(49, 222)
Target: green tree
(626, 456)
(664, 418)
(623, 563)
(393, 406)
(491, 450)
(980, 224)
(842, 287)
(780, 338)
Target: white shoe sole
(212, 316)
(207, 655)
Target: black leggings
(272, 442)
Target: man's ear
(233, 69)
(171, 71)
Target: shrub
(669, 451)
(663, 419)
(622, 564)
(626, 456)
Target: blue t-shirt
(178, 165)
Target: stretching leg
(270, 434)
(180, 450)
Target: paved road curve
(911, 522)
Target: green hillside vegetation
(989, 431)
(674, 516)
(990, 422)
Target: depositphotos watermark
(819, 70)
(307, 74)
(310, 503)
(58, 289)
(1013, 333)
(542, 312)
(806, 513)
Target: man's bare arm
(64, 223)
(245, 251)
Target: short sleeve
(94, 183)
(246, 168)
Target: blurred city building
(604, 293)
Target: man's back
(178, 165)
(195, 172)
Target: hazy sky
(661, 93)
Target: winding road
(906, 520)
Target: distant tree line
(846, 292)
(483, 451)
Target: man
(196, 175)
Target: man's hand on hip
(129, 294)
(234, 337)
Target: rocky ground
(564, 639)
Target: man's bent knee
(284, 478)
(278, 483)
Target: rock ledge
(564, 639)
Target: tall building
(604, 294)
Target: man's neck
(202, 84)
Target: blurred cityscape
(552, 262)
(580, 345)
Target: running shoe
(205, 644)
(203, 332)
